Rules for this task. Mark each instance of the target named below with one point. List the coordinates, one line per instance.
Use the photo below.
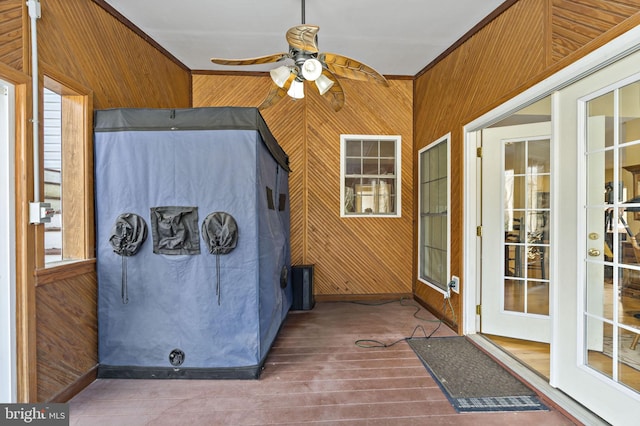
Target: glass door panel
(612, 286)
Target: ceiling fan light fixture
(311, 69)
(280, 75)
(323, 83)
(296, 90)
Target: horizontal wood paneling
(11, 33)
(354, 255)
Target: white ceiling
(396, 37)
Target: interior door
(516, 224)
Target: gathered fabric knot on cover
(127, 236)
(220, 233)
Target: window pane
(370, 167)
(387, 166)
(371, 176)
(354, 149)
(539, 152)
(353, 166)
(370, 148)
(538, 297)
(514, 295)
(630, 125)
(388, 149)
(52, 160)
(434, 165)
(515, 157)
(434, 196)
(600, 112)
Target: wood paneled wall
(529, 41)
(575, 23)
(356, 256)
(66, 331)
(80, 42)
(83, 42)
(351, 256)
(11, 40)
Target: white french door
(516, 225)
(593, 265)
(598, 146)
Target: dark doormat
(471, 379)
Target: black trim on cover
(134, 372)
(206, 118)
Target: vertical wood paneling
(351, 255)
(11, 33)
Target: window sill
(64, 270)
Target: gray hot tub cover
(127, 235)
(220, 233)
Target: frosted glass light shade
(311, 69)
(280, 75)
(296, 90)
(323, 83)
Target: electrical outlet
(454, 284)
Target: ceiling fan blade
(350, 68)
(251, 61)
(304, 37)
(276, 93)
(335, 95)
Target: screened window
(370, 175)
(433, 227)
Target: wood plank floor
(315, 373)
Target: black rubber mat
(470, 378)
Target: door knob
(594, 252)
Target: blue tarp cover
(182, 165)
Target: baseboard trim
(76, 387)
(440, 315)
(362, 297)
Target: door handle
(594, 252)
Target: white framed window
(434, 226)
(370, 175)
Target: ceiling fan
(309, 64)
